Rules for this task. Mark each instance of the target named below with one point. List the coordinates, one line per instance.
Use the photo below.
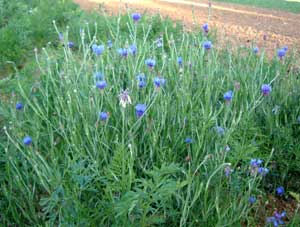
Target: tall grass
(140, 171)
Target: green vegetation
(187, 160)
(289, 6)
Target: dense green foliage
(80, 170)
(290, 6)
(26, 25)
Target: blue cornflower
(27, 140)
(266, 89)
(98, 49)
(123, 52)
(252, 199)
(255, 50)
(109, 44)
(159, 82)
(141, 78)
(142, 84)
(276, 219)
(140, 110)
(98, 76)
(101, 84)
(262, 171)
(150, 62)
(205, 27)
(188, 140)
(19, 106)
(280, 191)
(281, 53)
(132, 49)
(136, 16)
(207, 45)
(220, 131)
(179, 61)
(71, 44)
(228, 96)
(255, 163)
(103, 116)
(228, 171)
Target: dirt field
(240, 24)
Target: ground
(244, 25)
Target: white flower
(124, 98)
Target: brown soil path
(241, 24)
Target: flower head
(150, 62)
(142, 84)
(252, 199)
(19, 106)
(228, 96)
(101, 84)
(281, 53)
(103, 116)
(276, 219)
(262, 171)
(207, 45)
(179, 61)
(254, 163)
(136, 17)
(255, 167)
(140, 110)
(27, 140)
(132, 49)
(188, 140)
(266, 89)
(141, 78)
(228, 171)
(71, 44)
(255, 50)
(123, 52)
(98, 49)
(280, 191)
(124, 98)
(205, 27)
(159, 82)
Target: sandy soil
(241, 24)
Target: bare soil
(241, 25)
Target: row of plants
(130, 121)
